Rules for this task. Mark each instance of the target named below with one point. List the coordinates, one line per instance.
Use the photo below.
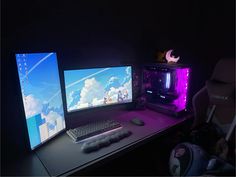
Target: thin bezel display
(97, 87)
(41, 95)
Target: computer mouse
(137, 121)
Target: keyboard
(92, 129)
(104, 140)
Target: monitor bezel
(102, 106)
(22, 105)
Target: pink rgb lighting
(181, 88)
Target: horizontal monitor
(88, 88)
(41, 93)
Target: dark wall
(99, 33)
(92, 33)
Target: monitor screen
(41, 93)
(87, 88)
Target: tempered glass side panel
(41, 93)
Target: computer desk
(62, 156)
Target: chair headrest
(220, 92)
(224, 71)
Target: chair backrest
(224, 71)
(219, 91)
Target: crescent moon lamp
(171, 58)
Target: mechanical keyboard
(92, 129)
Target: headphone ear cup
(188, 160)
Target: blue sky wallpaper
(97, 87)
(41, 93)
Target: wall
(97, 33)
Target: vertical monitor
(41, 93)
(96, 87)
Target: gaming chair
(212, 140)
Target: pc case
(166, 87)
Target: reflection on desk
(63, 157)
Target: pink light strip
(181, 87)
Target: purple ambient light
(181, 88)
(166, 87)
